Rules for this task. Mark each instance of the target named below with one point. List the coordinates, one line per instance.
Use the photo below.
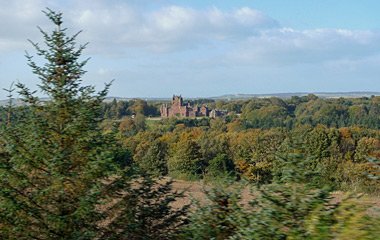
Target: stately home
(178, 109)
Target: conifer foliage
(58, 171)
(56, 155)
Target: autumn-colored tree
(185, 160)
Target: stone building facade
(179, 109)
(215, 113)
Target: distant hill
(267, 95)
(17, 102)
(300, 94)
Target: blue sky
(350, 14)
(199, 48)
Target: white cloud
(286, 46)
(201, 44)
(173, 18)
(251, 17)
(164, 29)
(115, 25)
(18, 20)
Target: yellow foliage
(345, 132)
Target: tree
(140, 122)
(185, 160)
(147, 212)
(138, 106)
(151, 157)
(221, 217)
(57, 154)
(127, 127)
(58, 171)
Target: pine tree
(59, 177)
(57, 154)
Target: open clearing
(195, 190)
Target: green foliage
(144, 212)
(139, 106)
(219, 218)
(127, 127)
(61, 177)
(185, 160)
(221, 165)
(352, 220)
(131, 126)
(272, 112)
(139, 121)
(267, 117)
(287, 209)
(57, 155)
(115, 109)
(326, 156)
(295, 210)
(311, 110)
(151, 157)
(280, 211)
(218, 124)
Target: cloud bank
(113, 27)
(183, 36)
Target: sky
(204, 48)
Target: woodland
(79, 167)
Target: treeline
(118, 109)
(311, 110)
(273, 112)
(266, 113)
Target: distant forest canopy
(338, 134)
(331, 141)
(206, 148)
(261, 112)
(272, 112)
